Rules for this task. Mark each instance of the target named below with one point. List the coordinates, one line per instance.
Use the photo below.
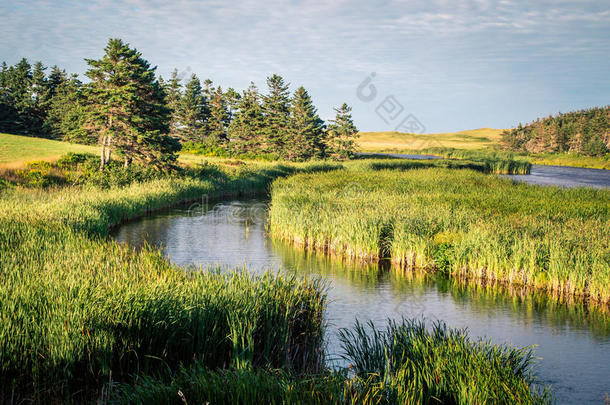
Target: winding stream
(574, 345)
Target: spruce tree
(219, 117)
(173, 89)
(232, 99)
(342, 134)
(126, 108)
(40, 98)
(18, 99)
(246, 130)
(306, 128)
(66, 118)
(192, 112)
(276, 106)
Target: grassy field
(467, 145)
(457, 222)
(481, 138)
(16, 150)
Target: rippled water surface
(574, 345)
(565, 176)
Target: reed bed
(408, 363)
(456, 222)
(404, 364)
(77, 309)
(481, 162)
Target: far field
(481, 138)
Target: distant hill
(586, 132)
(481, 138)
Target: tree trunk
(103, 153)
(108, 151)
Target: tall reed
(77, 308)
(461, 223)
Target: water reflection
(573, 342)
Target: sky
(429, 66)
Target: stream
(573, 344)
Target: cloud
(427, 50)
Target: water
(565, 176)
(574, 345)
(543, 175)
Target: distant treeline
(125, 107)
(585, 131)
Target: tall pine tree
(173, 90)
(342, 134)
(306, 128)
(276, 106)
(126, 108)
(192, 112)
(246, 130)
(218, 120)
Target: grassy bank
(490, 164)
(77, 309)
(570, 159)
(457, 222)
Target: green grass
(457, 222)
(570, 159)
(404, 364)
(77, 308)
(17, 150)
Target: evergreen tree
(306, 128)
(342, 134)
(232, 99)
(56, 79)
(192, 112)
(40, 94)
(276, 106)
(126, 108)
(7, 110)
(66, 118)
(246, 130)
(173, 89)
(17, 112)
(218, 120)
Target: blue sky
(451, 64)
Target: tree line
(584, 131)
(126, 109)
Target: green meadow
(16, 150)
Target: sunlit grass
(458, 222)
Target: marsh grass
(76, 307)
(411, 364)
(458, 222)
(403, 364)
